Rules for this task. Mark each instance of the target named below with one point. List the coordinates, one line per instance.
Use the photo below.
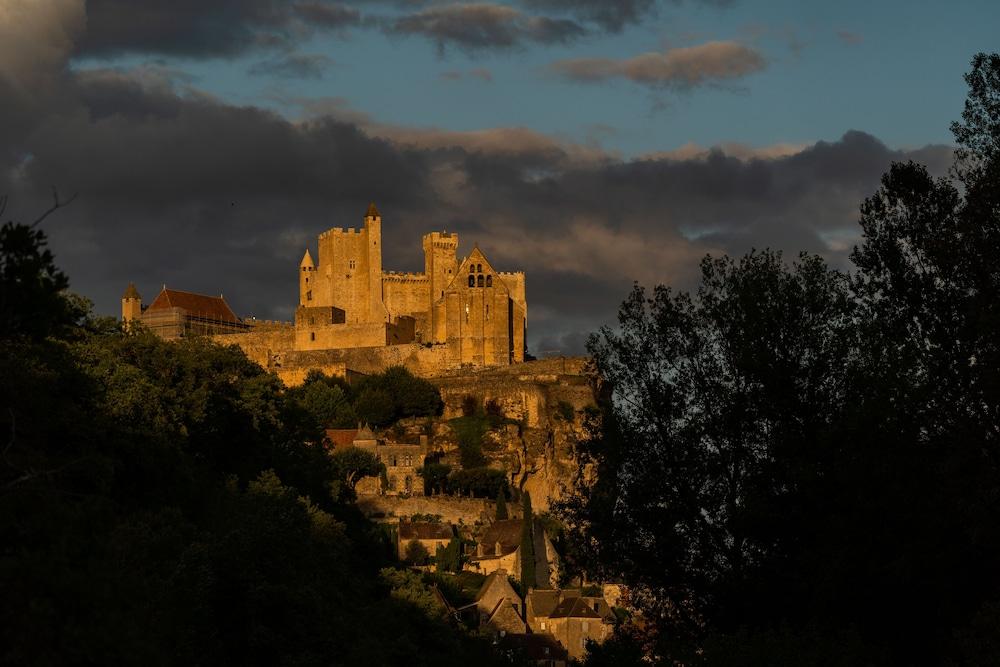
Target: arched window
(489, 281)
(479, 268)
(472, 281)
(472, 268)
(479, 281)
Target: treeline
(379, 400)
(159, 504)
(798, 465)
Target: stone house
(175, 314)
(499, 606)
(569, 617)
(429, 534)
(401, 461)
(499, 548)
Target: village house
(429, 534)
(401, 461)
(499, 547)
(499, 606)
(571, 618)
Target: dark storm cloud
(484, 26)
(177, 187)
(203, 28)
(294, 66)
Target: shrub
(416, 553)
(470, 405)
(480, 482)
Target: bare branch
(56, 204)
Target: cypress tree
(527, 545)
(501, 506)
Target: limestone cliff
(543, 402)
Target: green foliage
(469, 431)
(435, 476)
(478, 482)
(449, 558)
(786, 450)
(349, 466)
(32, 301)
(470, 405)
(416, 553)
(379, 400)
(527, 543)
(501, 505)
(167, 508)
(565, 410)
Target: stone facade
(174, 314)
(346, 300)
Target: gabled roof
(341, 437)
(505, 531)
(365, 432)
(573, 608)
(201, 305)
(542, 602)
(424, 530)
(476, 257)
(498, 578)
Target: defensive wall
(466, 511)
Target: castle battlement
(402, 276)
(347, 300)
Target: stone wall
(466, 511)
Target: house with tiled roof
(176, 313)
(429, 534)
(573, 620)
(499, 605)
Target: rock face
(543, 404)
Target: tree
(435, 476)
(501, 511)
(449, 558)
(416, 553)
(781, 454)
(527, 543)
(351, 464)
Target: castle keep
(346, 300)
(353, 315)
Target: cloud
(206, 28)
(681, 68)
(178, 187)
(740, 151)
(293, 66)
(611, 15)
(483, 26)
(848, 37)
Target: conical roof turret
(372, 211)
(307, 260)
(131, 292)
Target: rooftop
(200, 305)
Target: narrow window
(489, 281)
(472, 281)
(479, 281)
(309, 295)
(312, 335)
(487, 311)
(472, 268)
(479, 268)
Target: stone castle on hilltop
(353, 316)
(346, 300)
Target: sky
(589, 143)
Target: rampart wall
(453, 510)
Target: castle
(346, 300)
(353, 316)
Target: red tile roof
(200, 305)
(424, 530)
(341, 437)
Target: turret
(131, 304)
(307, 279)
(373, 233)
